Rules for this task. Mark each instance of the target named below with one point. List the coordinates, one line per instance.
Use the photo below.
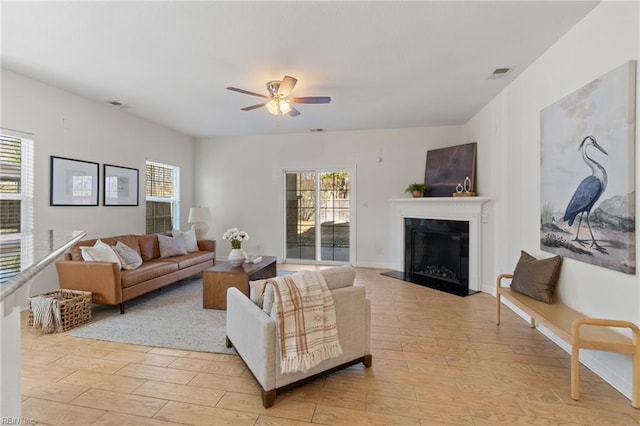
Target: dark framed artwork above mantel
(449, 167)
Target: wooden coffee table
(216, 280)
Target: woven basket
(75, 308)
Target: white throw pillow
(170, 246)
(190, 241)
(100, 252)
(129, 258)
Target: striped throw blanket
(46, 314)
(306, 321)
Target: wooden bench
(580, 331)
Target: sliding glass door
(318, 208)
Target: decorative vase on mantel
(237, 257)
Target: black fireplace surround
(436, 255)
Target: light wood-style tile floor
(437, 359)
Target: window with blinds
(16, 201)
(162, 197)
(10, 184)
(10, 258)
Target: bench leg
(498, 308)
(635, 401)
(575, 372)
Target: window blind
(10, 165)
(160, 180)
(162, 197)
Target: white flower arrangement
(236, 237)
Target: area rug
(169, 318)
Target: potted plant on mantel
(417, 189)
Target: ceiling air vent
(316, 130)
(117, 104)
(500, 72)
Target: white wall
(67, 125)
(91, 132)
(510, 126)
(241, 180)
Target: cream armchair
(251, 330)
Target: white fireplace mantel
(444, 208)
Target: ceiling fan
(279, 101)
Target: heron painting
(587, 172)
(589, 190)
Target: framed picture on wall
(587, 172)
(73, 182)
(120, 186)
(450, 168)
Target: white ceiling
(384, 64)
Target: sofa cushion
(147, 271)
(149, 247)
(190, 241)
(129, 258)
(100, 252)
(189, 259)
(171, 246)
(338, 277)
(537, 278)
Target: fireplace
(433, 217)
(436, 254)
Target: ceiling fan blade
(312, 100)
(246, 92)
(293, 112)
(252, 107)
(287, 85)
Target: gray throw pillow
(171, 246)
(190, 241)
(129, 258)
(537, 278)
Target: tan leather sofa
(112, 286)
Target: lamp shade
(199, 214)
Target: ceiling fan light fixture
(284, 107)
(278, 101)
(272, 106)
